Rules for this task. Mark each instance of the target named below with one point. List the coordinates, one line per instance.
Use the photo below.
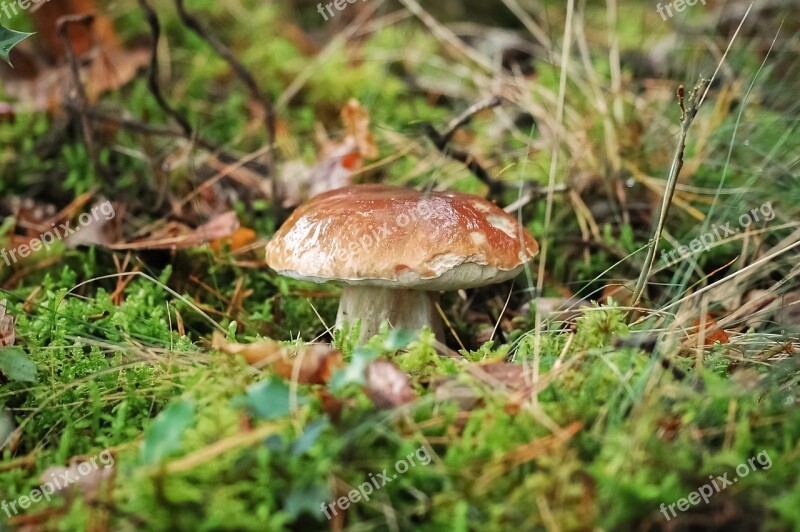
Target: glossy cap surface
(401, 237)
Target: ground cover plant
(642, 373)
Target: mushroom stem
(402, 308)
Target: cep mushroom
(394, 249)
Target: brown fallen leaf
(107, 71)
(102, 230)
(331, 405)
(114, 69)
(81, 37)
(356, 121)
(514, 378)
(713, 332)
(335, 170)
(265, 351)
(177, 236)
(240, 239)
(7, 334)
(339, 160)
(309, 364)
(387, 385)
(312, 363)
(87, 479)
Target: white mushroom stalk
(403, 308)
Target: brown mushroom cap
(402, 238)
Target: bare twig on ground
(79, 95)
(152, 78)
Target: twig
(153, 75)
(263, 99)
(687, 117)
(472, 164)
(80, 93)
(442, 141)
(464, 118)
(531, 189)
(138, 126)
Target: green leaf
(269, 399)
(8, 40)
(164, 433)
(310, 435)
(16, 365)
(399, 339)
(306, 499)
(355, 371)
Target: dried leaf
(514, 378)
(340, 160)
(356, 122)
(336, 170)
(713, 332)
(387, 386)
(293, 177)
(221, 226)
(7, 334)
(240, 239)
(789, 313)
(114, 69)
(85, 478)
(255, 353)
(98, 233)
(81, 37)
(107, 71)
(317, 363)
(309, 364)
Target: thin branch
(81, 102)
(442, 142)
(687, 117)
(136, 126)
(472, 164)
(153, 75)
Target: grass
(593, 423)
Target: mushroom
(394, 249)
